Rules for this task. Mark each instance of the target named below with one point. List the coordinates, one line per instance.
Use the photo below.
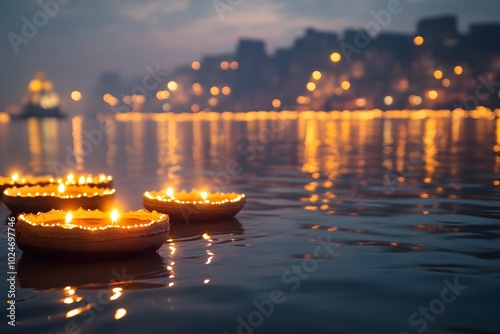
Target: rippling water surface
(351, 226)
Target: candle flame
(170, 192)
(15, 177)
(204, 195)
(81, 180)
(61, 188)
(89, 179)
(70, 177)
(69, 217)
(114, 216)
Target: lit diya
(85, 232)
(57, 196)
(100, 180)
(19, 180)
(194, 206)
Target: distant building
(41, 100)
(437, 67)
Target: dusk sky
(85, 38)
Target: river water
(352, 224)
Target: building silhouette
(437, 67)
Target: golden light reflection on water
(134, 148)
(35, 145)
(324, 144)
(43, 139)
(78, 141)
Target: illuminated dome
(41, 100)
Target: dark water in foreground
(351, 226)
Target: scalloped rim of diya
(32, 199)
(100, 180)
(92, 232)
(217, 206)
(24, 180)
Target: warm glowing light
(70, 177)
(213, 101)
(316, 75)
(61, 188)
(418, 40)
(432, 94)
(120, 313)
(226, 90)
(234, 65)
(172, 85)
(345, 85)
(303, 99)
(195, 65)
(206, 281)
(197, 89)
(361, 102)
(15, 177)
(388, 100)
(69, 218)
(204, 195)
(117, 292)
(214, 90)
(224, 65)
(311, 86)
(170, 192)
(76, 95)
(438, 74)
(195, 108)
(276, 103)
(458, 70)
(35, 85)
(446, 82)
(335, 57)
(163, 95)
(415, 100)
(114, 216)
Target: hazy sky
(81, 38)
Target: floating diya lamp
(86, 232)
(18, 180)
(194, 206)
(100, 180)
(57, 196)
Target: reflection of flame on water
(50, 273)
(205, 230)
